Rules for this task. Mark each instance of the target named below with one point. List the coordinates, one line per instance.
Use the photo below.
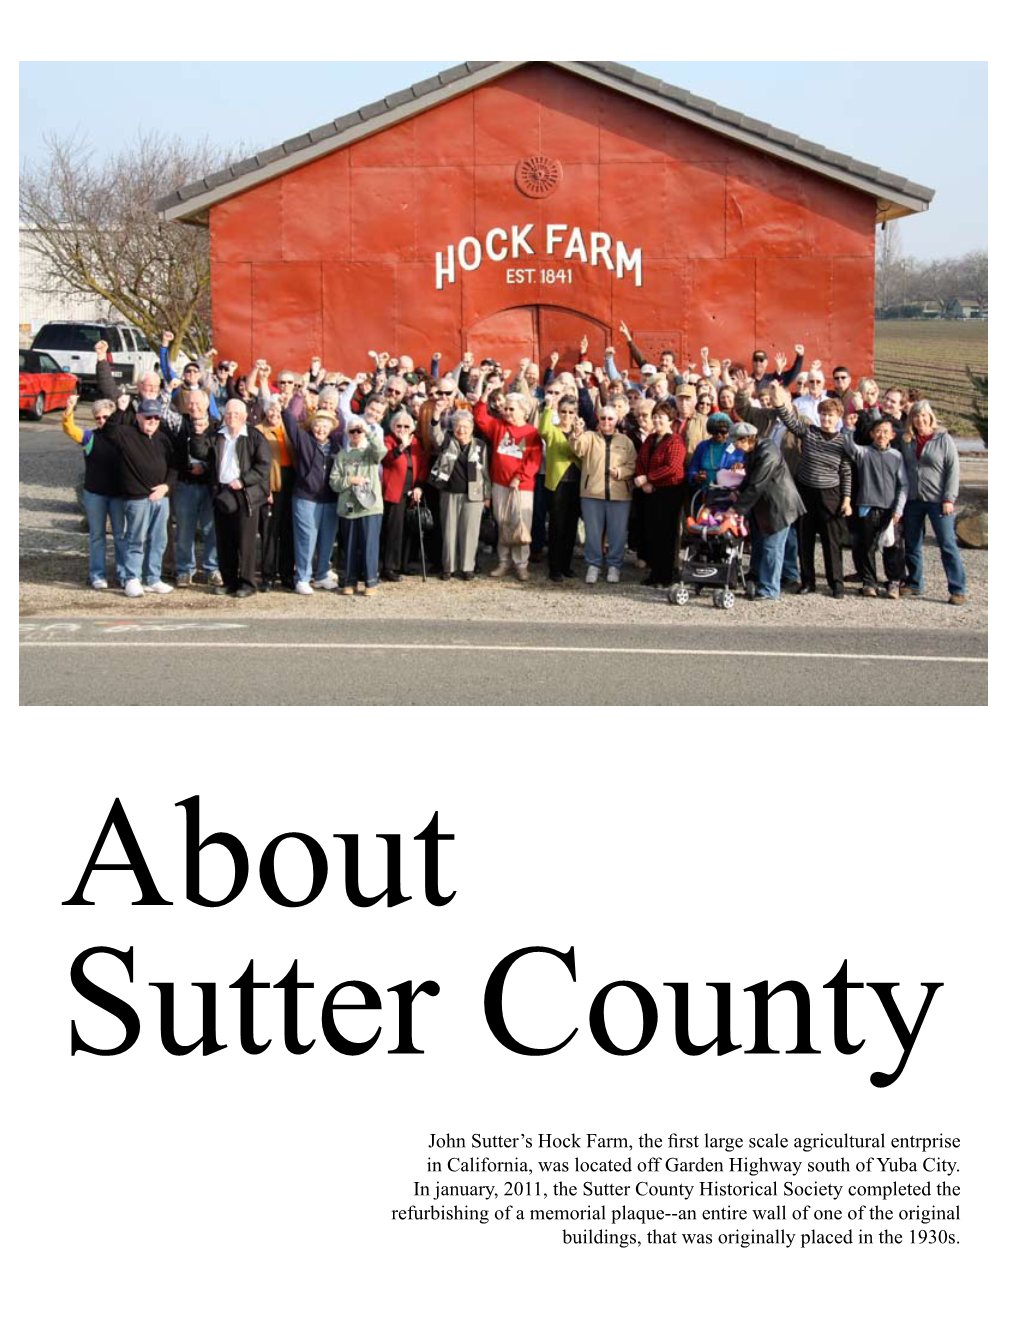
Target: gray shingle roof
(813, 151)
(450, 82)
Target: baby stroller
(713, 542)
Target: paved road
(413, 662)
(47, 436)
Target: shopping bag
(512, 529)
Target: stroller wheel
(678, 594)
(750, 590)
(717, 599)
(727, 600)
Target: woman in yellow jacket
(607, 467)
(562, 479)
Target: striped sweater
(823, 463)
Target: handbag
(488, 532)
(415, 511)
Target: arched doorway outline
(553, 333)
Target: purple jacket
(312, 462)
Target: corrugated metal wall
(740, 250)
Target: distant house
(40, 301)
(966, 309)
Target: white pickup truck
(72, 344)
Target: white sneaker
(326, 584)
(100, 584)
(303, 588)
(613, 575)
(133, 588)
(592, 575)
(158, 588)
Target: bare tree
(888, 258)
(974, 277)
(902, 283)
(96, 230)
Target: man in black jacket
(237, 462)
(771, 493)
(147, 475)
(148, 388)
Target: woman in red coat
(404, 471)
(658, 476)
(515, 457)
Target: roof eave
(885, 197)
(192, 208)
(891, 201)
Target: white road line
(540, 650)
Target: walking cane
(421, 542)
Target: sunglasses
(445, 394)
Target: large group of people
(334, 481)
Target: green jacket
(558, 454)
(360, 462)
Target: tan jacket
(276, 442)
(697, 430)
(591, 450)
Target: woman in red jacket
(403, 474)
(516, 456)
(658, 476)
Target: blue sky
(928, 121)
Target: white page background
(260, 1186)
(664, 846)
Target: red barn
(512, 207)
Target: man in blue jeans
(770, 498)
(147, 473)
(766, 419)
(192, 499)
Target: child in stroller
(713, 545)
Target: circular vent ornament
(538, 176)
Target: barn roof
(894, 195)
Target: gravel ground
(53, 582)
